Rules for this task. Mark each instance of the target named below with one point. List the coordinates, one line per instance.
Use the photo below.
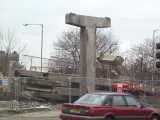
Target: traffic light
(158, 55)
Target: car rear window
(91, 99)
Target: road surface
(45, 115)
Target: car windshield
(91, 99)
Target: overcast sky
(132, 20)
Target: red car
(108, 106)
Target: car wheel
(155, 117)
(109, 118)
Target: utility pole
(154, 55)
(41, 42)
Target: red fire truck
(130, 87)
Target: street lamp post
(41, 40)
(110, 66)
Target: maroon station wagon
(108, 106)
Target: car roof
(110, 93)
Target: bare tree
(105, 43)
(69, 43)
(140, 57)
(10, 45)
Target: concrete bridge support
(88, 27)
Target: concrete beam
(83, 21)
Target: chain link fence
(54, 64)
(49, 93)
(29, 92)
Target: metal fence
(54, 64)
(152, 86)
(50, 92)
(27, 92)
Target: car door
(119, 107)
(134, 108)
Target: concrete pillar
(88, 58)
(83, 60)
(83, 54)
(91, 58)
(88, 27)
